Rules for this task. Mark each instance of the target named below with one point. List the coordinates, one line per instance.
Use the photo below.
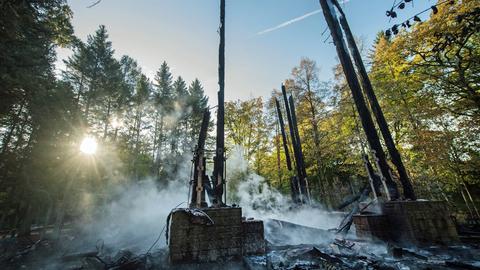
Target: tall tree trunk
(322, 183)
(137, 127)
(13, 126)
(155, 140)
(461, 182)
(27, 218)
(80, 90)
(471, 199)
(158, 157)
(62, 207)
(87, 106)
(107, 118)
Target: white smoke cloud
(260, 201)
(137, 211)
(136, 217)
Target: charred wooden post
(284, 135)
(295, 181)
(373, 178)
(200, 178)
(299, 184)
(295, 192)
(347, 222)
(303, 179)
(354, 85)
(219, 168)
(408, 190)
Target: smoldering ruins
(201, 220)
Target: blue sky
(184, 33)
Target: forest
(427, 80)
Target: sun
(88, 146)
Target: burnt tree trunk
(107, 118)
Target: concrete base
(215, 234)
(372, 227)
(409, 222)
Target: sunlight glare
(88, 146)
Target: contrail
(287, 23)
(294, 20)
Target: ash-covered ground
(289, 246)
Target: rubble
(324, 251)
(279, 232)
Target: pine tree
(163, 102)
(164, 88)
(179, 130)
(197, 102)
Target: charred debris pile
(321, 249)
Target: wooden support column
(219, 170)
(199, 177)
(284, 135)
(296, 181)
(303, 179)
(354, 85)
(408, 190)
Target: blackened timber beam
(373, 178)
(354, 85)
(199, 176)
(303, 178)
(284, 135)
(296, 190)
(219, 168)
(294, 186)
(408, 190)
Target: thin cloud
(294, 20)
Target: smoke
(260, 201)
(133, 214)
(136, 215)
